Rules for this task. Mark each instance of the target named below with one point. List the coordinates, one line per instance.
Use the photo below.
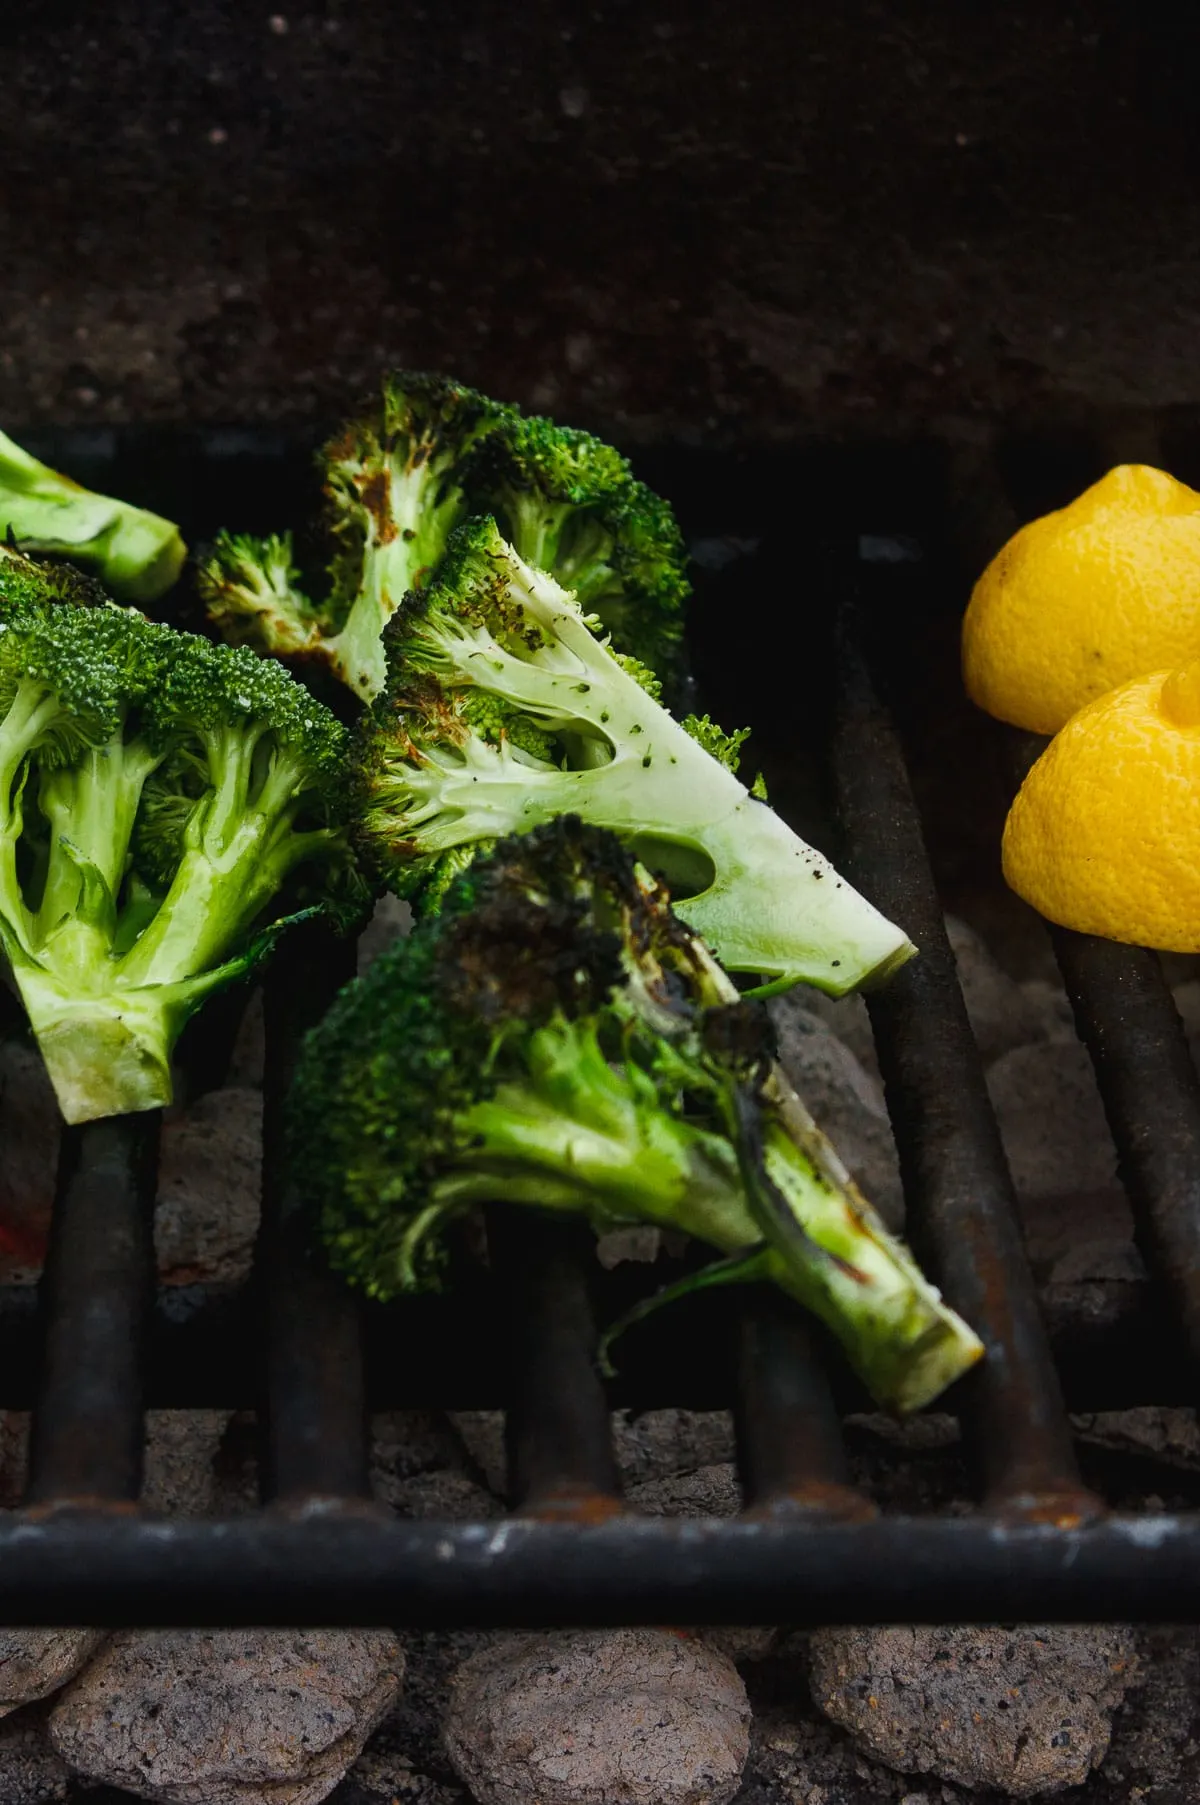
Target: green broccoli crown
(207, 689)
(560, 463)
(530, 949)
(157, 794)
(421, 427)
(95, 659)
(643, 605)
(569, 505)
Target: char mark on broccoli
(426, 454)
(557, 1039)
(504, 708)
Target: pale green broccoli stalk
(504, 709)
(556, 1038)
(137, 555)
(568, 504)
(156, 794)
(251, 591)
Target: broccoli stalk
(504, 709)
(156, 792)
(556, 1038)
(136, 554)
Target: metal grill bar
(790, 1450)
(96, 1296)
(315, 1440)
(560, 1451)
(956, 1179)
(360, 1570)
(1127, 1019)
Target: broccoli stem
(405, 536)
(578, 1137)
(239, 846)
(697, 826)
(90, 807)
(138, 554)
(107, 1057)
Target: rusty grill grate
(100, 1344)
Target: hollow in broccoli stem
(164, 805)
(557, 1038)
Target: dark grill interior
(864, 579)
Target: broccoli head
(504, 708)
(157, 794)
(557, 1038)
(568, 504)
(400, 478)
(251, 591)
(136, 554)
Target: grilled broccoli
(252, 595)
(392, 494)
(556, 1037)
(568, 504)
(504, 708)
(398, 480)
(136, 554)
(156, 792)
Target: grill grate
(809, 1547)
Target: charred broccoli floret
(401, 477)
(504, 708)
(557, 1038)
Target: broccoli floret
(556, 1037)
(438, 773)
(398, 480)
(156, 793)
(392, 487)
(251, 591)
(568, 504)
(136, 554)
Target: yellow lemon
(1086, 598)
(1104, 835)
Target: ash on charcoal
(660, 1444)
(210, 1172)
(1051, 1120)
(179, 1466)
(36, 1662)
(227, 1717)
(708, 1492)
(844, 1098)
(1026, 1710)
(649, 1717)
(1001, 1013)
(31, 1773)
(391, 921)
